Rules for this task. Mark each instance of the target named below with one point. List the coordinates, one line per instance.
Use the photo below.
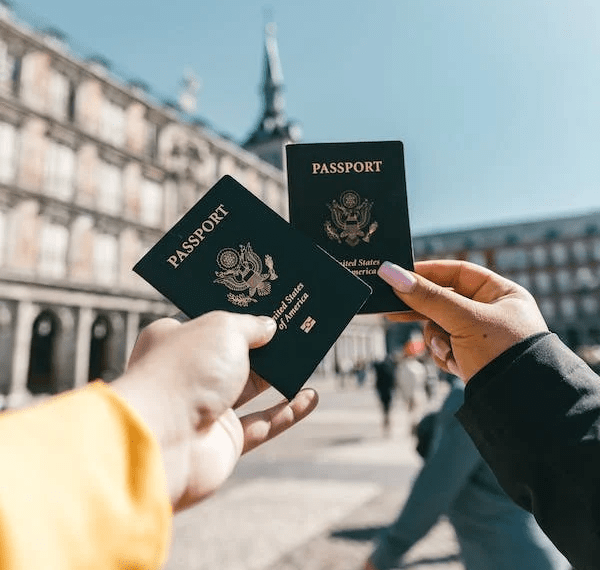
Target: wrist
(167, 420)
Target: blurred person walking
(411, 378)
(493, 533)
(385, 384)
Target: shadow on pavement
(363, 534)
(370, 533)
(436, 560)
(345, 441)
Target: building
(557, 260)
(92, 172)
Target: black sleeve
(534, 415)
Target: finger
(441, 304)
(255, 386)
(467, 279)
(437, 340)
(438, 343)
(258, 331)
(265, 425)
(440, 348)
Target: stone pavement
(314, 498)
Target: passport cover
(231, 252)
(350, 198)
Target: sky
(497, 103)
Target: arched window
(41, 376)
(100, 348)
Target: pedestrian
(492, 532)
(411, 376)
(385, 371)
(91, 477)
(360, 370)
(532, 406)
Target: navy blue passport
(350, 198)
(231, 252)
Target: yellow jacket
(82, 486)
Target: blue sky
(497, 103)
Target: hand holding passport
(231, 252)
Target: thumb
(258, 331)
(448, 309)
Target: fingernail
(397, 277)
(269, 322)
(440, 348)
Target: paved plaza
(315, 498)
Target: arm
(535, 413)
(444, 474)
(89, 478)
(82, 486)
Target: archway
(99, 349)
(41, 375)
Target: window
(110, 187)
(596, 249)
(568, 307)
(106, 259)
(524, 280)
(15, 76)
(477, 257)
(563, 280)
(72, 102)
(112, 126)
(59, 88)
(543, 282)
(514, 258)
(548, 309)
(10, 70)
(151, 203)
(559, 252)
(580, 251)
(539, 254)
(8, 152)
(53, 250)
(589, 304)
(60, 170)
(152, 140)
(585, 279)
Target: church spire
(273, 130)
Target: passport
(350, 198)
(231, 252)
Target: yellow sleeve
(82, 486)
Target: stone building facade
(557, 260)
(92, 173)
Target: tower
(274, 130)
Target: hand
(473, 314)
(185, 379)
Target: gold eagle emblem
(243, 271)
(350, 219)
